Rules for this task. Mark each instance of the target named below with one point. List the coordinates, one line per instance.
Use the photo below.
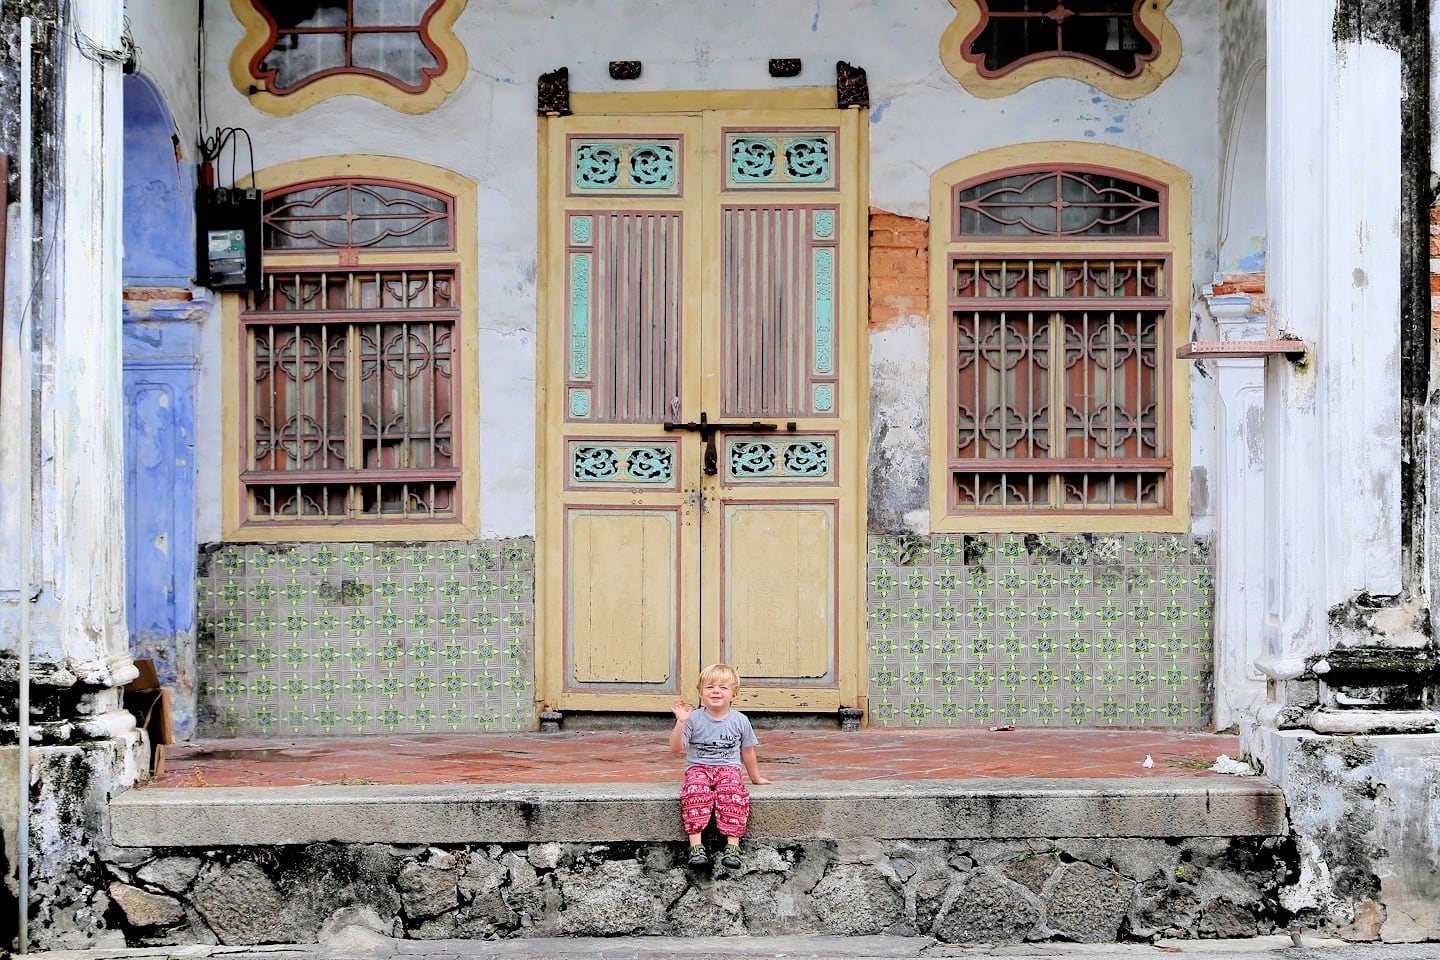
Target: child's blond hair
(719, 671)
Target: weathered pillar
(63, 470)
(1347, 651)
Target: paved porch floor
(644, 757)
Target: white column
(79, 619)
(1240, 573)
(1298, 81)
(1332, 456)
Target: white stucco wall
(920, 117)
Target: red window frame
(1059, 344)
(352, 360)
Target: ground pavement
(355, 943)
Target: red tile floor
(644, 757)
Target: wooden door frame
(549, 645)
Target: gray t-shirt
(717, 743)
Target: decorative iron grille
(308, 41)
(353, 398)
(1058, 386)
(1058, 203)
(340, 214)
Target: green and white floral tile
(358, 638)
(1037, 631)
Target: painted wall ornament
(1124, 48)
(294, 56)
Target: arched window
(1064, 288)
(353, 360)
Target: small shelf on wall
(1240, 349)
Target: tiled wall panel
(1035, 631)
(360, 638)
(963, 631)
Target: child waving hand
(717, 741)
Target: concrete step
(997, 860)
(1014, 809)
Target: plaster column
(1240, 574)
(1332, 420)
(1298, 77)
(79, 618)
(1346, 733)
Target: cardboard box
(151, 706)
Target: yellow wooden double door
(701, 424)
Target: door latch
(707, 431)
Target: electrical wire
(228, 137)
(127, 53)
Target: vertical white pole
(25, 342)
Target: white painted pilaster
(1332, 424)
(1300, 64)
(1240, 569)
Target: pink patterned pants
(717, 790)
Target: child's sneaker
(731, 859)
(698, 856)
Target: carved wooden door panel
(699, 443)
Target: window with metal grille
(1059, 359)
(352, 403)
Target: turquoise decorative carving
(579, 316)
(622, 464)
(579, 403)
(652, 165)
(824, 310)
(650, 464)
(808, 160)
(596, 165)
(621, 165)
(752, 459)
(580, 231)
(799, 159)
(752, 160)
(824, 397)
(824, 224)
(807, 458)
(595, 463)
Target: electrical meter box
(227, 234)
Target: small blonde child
(717, 741)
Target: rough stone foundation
(957, 891)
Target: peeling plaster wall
(920, 119)
(1363, 810)
(899, 433)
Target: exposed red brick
(155, 293)
(899, 268)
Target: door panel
(779, 584)
(621, 597)
(698, 392)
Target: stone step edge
(1155, 807)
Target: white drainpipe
(25, 342)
